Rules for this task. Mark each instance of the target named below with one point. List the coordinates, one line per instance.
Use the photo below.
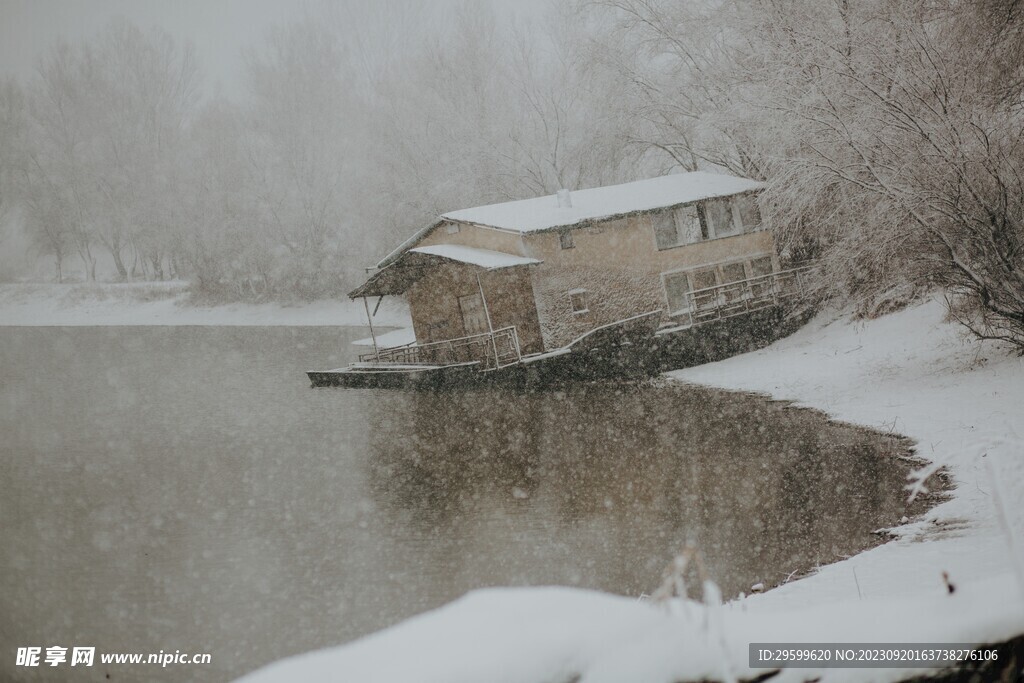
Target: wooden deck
(608, 351)
(491, 350)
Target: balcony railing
(491, 349)
(743, 296)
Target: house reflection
(624, 474)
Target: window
(452, 228)
(688, 224)
(702, 279)
(705, 295)
(749, 213)
(677, 286)
(664, 229)
(677, 227)
(733, 272)
(565, 239)
(761, 286)
(721, 222)
(578, 301)
(761, 266)
(683, 290)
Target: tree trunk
(134, 268)
(158, 268)
(89, 262)
(122, 272)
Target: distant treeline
(891, 135)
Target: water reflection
(623, 475)
(183, 488)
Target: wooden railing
(490, 349)
(743, 296)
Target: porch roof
(401, 274)
(485, 258)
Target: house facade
(559, 266)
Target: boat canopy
(401, 274)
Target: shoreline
(165, 304)
(907, 373)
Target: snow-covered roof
(598, 203)
(485, 258)
(543, 213)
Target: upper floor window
(748, 212)
(676, 227)
(452, 228)
(565, 239)
(722, 222)
(709, 219)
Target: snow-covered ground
(165, 304)
(908, 372)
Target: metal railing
(491, 349)
(744, 296)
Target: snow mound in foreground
(557, 635)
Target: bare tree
(675, 67)
(105, 141)
(56, 169)
(488, 111)
(917, 158)
(217, 240)
(303, 118)
(12, 134)
(48, 234)
(890, 133)
(145, 89)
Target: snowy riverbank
(908, 373)
(165, 304)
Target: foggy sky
(219, 29)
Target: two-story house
(556, 267)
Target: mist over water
(184, 488)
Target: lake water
(185, 489)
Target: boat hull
(629, 349)
(392, 378)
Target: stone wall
(434, 302)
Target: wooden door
(474, 319)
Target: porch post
(487, 313)
(373, 337)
